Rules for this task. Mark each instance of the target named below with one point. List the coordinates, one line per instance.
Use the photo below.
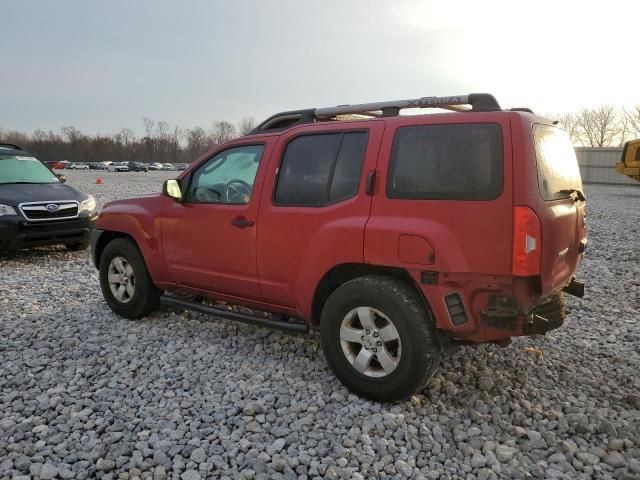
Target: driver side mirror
(172, 189)
(62, 178)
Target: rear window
(558, 169)
(453, 162)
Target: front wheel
(125, 281)
(379, 339)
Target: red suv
(389, 233)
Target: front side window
(227, 177)
(558, 171)
(24, 169)
(447, 162)
(321, 169)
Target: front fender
(140, 219)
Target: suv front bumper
(16, 232)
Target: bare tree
(71, 134)
(175, 140)
(221, 132)
(148, 126)
(39, 136)
(128, 136)
(624, 127)
(162, 140)
(600, 126)
(148, 140)
(246, 125)
(569, 121)
(196, 141)
(633, 117)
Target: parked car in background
(156, 166)
(56, 164)
(409, 230)
(182, 166)
(138, 167)
(94, 165)
(168, 166)
(77, 166)
(37, 208)
(104, 165)
(119, 167)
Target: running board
(283, 326)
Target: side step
(283, 326)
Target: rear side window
(558, 170)
(447, 162)
(321, 169)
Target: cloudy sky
(101, 66)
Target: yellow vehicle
(629, 165)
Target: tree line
(603, 126)
(160, 142)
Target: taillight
(527, 242)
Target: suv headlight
(88, 205)
(7, 210)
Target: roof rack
(478, 101)
(14, 147)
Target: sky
(102, 66)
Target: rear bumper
(484, 309)
(17, 233)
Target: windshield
(24, 169)
(558, 171)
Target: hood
(14, 194)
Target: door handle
(241, 222)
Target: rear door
(445, 201)
(314, 207)
(560, 206)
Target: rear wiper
(579, 195)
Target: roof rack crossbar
(458, 103)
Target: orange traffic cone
(99, 181)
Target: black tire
(553, 310)
(146, 297)
(399, 302)
(77, 246)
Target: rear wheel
(379, 339)
(125, 281)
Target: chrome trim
(42, 207)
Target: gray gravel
(85, 394)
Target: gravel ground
(85, 394)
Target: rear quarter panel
(562, 221)
(468, 243)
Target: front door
(209, 239)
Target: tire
(553, 310)
(76, 247)
(140, 300)
(416, 351)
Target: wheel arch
(342, 273)
(101, 239)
